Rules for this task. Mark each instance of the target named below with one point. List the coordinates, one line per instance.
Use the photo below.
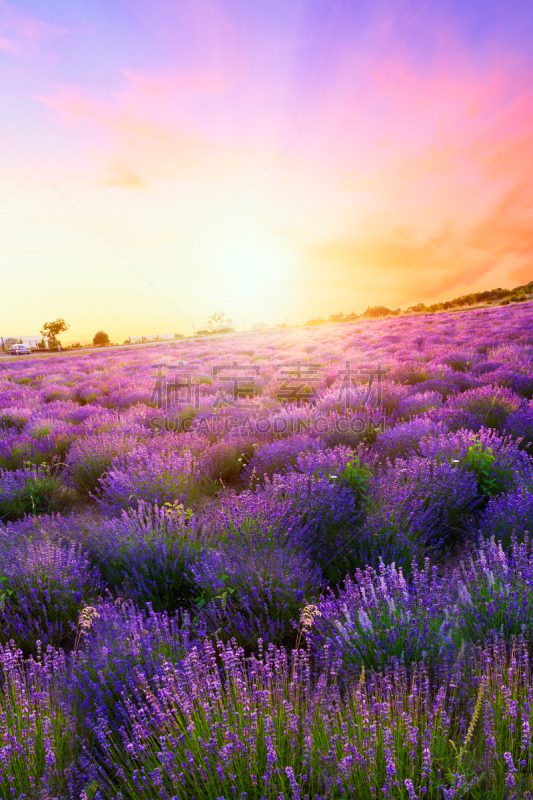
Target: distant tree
(217, 317)
(51, 329)
(219, 323)
(377, 311)
(100, 338)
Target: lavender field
(283, 565)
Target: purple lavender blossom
(379, 616)
(30, 490)
(495, 591)
(151, 474)
(403, 439)
(251, 593)
(44, 586)
(39, 740)
(147, 554)
(507, 515)
(278, 457)
(483, 407)
(120, 643)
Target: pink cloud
(20, 31)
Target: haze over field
(269, 159)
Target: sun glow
(250, 268)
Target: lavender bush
(485, 407)
(264, 731)
(118, 642)
(256, 593)
(31, 490)
(507, 515)
(495, 591)
(222, 726)
(148, 475)
(148, 553)
(44, 585)
(379, 616)
(91, 457)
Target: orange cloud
(122, 176)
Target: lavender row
(211, 723)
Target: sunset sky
(270, 159)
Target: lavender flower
(379, 616)
(38, 732)
(252, 593)
(148, 553)
(150, 473)
(122, 642)
(44, 586)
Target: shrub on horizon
(100, 339)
